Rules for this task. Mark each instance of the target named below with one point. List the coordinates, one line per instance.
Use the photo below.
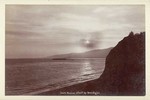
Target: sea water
(33, 77)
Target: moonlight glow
(87, 41)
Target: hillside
(124, 73)
(99, 53)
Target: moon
(88, 43)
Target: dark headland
(124, 72)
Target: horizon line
(54, 54)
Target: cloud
(57, 29)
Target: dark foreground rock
(124, 72)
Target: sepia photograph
(75, 50)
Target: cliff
(124, 72)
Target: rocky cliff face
(124, 73)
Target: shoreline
(77, 89)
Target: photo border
(72, 2)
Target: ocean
(32, 76)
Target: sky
(34, 31)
